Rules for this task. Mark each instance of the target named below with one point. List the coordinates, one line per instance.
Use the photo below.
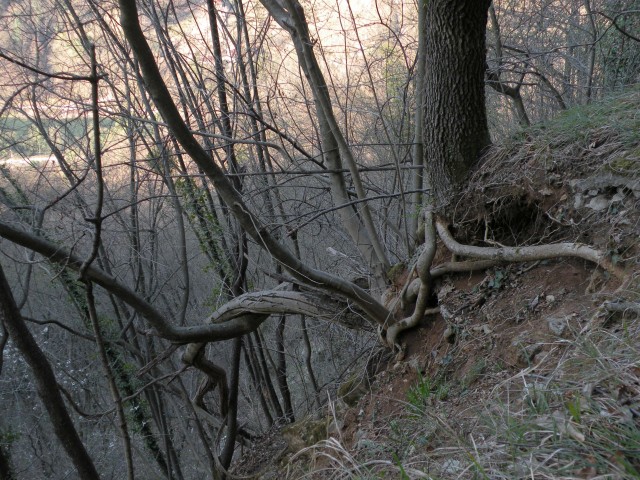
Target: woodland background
(131, 203)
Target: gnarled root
(419, 289)
(423, 269)
(406, 323)
(528, 254)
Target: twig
(623, 307)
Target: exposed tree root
(423, 269)
(419, 289)
(528, 254)
(622, 307)
(410, 292)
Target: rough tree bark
(456, 128)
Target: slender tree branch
(61, 325)
(614, 21)
(46, 384)
(57, 75)
(4, 338)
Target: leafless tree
(240, 176)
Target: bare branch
(242, 315)
(249, 223)
(61, 325)
(614, 21)
(59, 76)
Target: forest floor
(532, 370)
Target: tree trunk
(45, 382)
(418, 146)
(456, 128)
(232, 409)
(591, 49)
(281, 370)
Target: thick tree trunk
(455, 131)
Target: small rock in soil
(557, 325)
(598, 203)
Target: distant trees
(208, 170)
(548, 56)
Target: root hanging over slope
(419, 290)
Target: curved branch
(248, 222)
(269, 302)
(528, 254)
(58, 75)
(242, 315)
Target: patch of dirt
(263, 457)
(498, 322)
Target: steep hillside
(532, 370)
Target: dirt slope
(531, 370)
